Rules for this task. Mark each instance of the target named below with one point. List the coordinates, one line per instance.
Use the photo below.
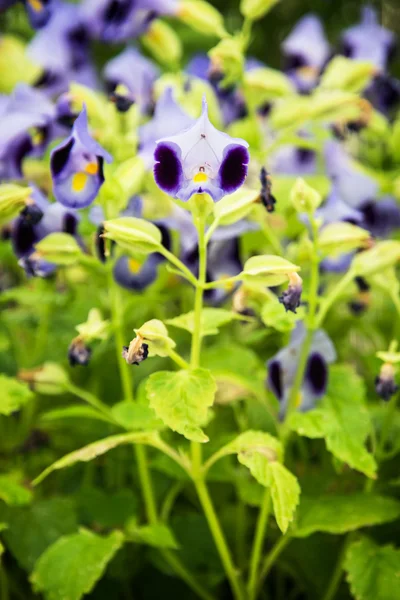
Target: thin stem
(337, 573)
(181, 362)
(145, 483)
(258, 544)
(169, 500)
(116, 316)
(221, 282)
(386, 427)
(272, 557)
(210, 231)
(333, 296)
(219, 538)
(91, 399)
(178, 264)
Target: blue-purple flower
(77, 166)
(306, 51)
(169, 118)
(282, 369)
(130, 79)
(200, 160)
(369, 40)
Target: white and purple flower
(77, 166)
(200, 160)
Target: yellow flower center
(200, 177)
(36, 5)
(134, 265)
(79, 181)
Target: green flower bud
(58, 248)
(49, 379)
(94, 328)
(202, 17)
(133, 234)
(304, 198)
(255, 9)
(163, 43)
(347, 75)
(13, 198)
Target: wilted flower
(385, 385)
(79, 353)
(137, 351)
(77, 166)
(200, 160)
(282, 369)
(130, 78)
(267, 199)
(291, 297)
(306, 51)
(368, 40)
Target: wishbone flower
(200, 160)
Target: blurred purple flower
(283, 366)
(200, 160)
(306, 51)
(77, 166)
(169, 118)
(39, 11)
(130, 78)
(293, 161)
(369, 40)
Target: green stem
(258, 543)
(333, 296)
(218, 536)
(178, 264)
(116, 316)
(91, 399)
(181, 362)
(145, 484)
(337, 573)
(386, 427)
(272, 557)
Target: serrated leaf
(373, 571)
(91, 451)
(71, 567)
(157, 535)
(32, 529)
(181, 400)
(12, 490)
(14, 395)
(342, 419)
(338, 514)
(211, 320)
(285, 494)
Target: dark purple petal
(60, 155)
(168, 169)
(275, 378)
(316, 376)
(23, 237)
(233, 169)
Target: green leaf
(342, 419)
(49, 379)
(157, 535)
(71, 567)
(13, 52)
(235, 206)
(59, 248)
(347, 74)
(32, 529)
(14, 395)
(133, 416)
(339, 514)
(91, 451)
(12, 491)
(337, 238)
(12, 200)
(211, 320)
(262, 454)
(181, 399)
(133, 234)
(373, 571)
(268, 270)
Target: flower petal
(233, 169)
(168, 168)
(316, 375)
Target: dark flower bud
(385, 385)
(136, 352)
(292, 296)
(122, 98)
(31, 214)
(79, 353)
(267, 199)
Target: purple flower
(199, 160)
(119, 20)
(136, 276)
(380, 217)
(169, 118)
(306, 51)
(368, 40)
(384, 93)
(26, 124)
(130, 78)
(77, 166)
(282, 369)
(39, 11)
(294, 161)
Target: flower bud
(94, 328)
(304, 198)
(58, 248)
(202, 17)
(49, 379)
(79, 353)
(13, 199)
(346, 74)
(163, 43)
(130, 232)
(256, 9)
(227, 58)
(31, 214)
(292, 296)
